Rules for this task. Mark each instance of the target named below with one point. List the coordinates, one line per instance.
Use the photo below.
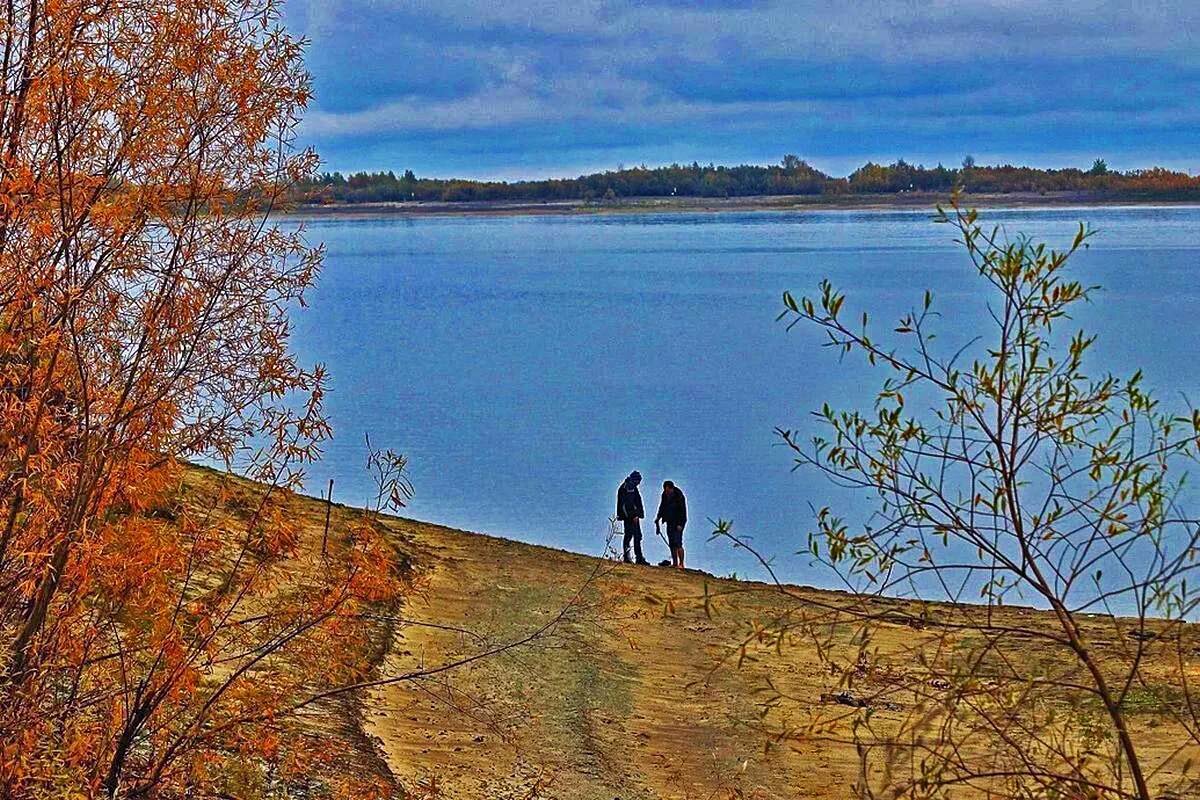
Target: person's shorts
(674, 537)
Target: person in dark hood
(629, 511)
(672, 509)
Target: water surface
(526, 364)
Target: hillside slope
(624, 701)
(638, 696)
(633, 691)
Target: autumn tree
(150, 645)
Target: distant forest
(793, 176)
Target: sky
(537, 88)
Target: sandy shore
(914, 201)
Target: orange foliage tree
(150, 647)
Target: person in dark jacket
(629, 511)
(672, 510)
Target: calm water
(527, 364)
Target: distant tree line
(793, 176)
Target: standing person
(672, 509)
(629, 511)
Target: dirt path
(624, 703)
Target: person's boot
(627, 559)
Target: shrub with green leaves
(1020, 476)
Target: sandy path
(624, 705)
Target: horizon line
(564, 175)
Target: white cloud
(670, 71)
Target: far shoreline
(914, 201)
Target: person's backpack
(627, 502)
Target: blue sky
(517, 88)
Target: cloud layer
(515, 87)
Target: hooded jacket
(629, 501)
